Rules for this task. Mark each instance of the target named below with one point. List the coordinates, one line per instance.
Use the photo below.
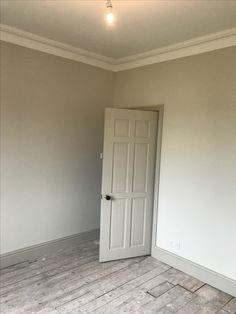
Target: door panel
(128, 178)
(137, 221)
(119, 168)
(117, 230)
(142, 129)
(140, 167)
(121, 128)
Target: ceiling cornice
(219, 40)
(22, 38)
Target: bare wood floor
(73, 281)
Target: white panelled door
(127, 183)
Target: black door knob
(107, 197)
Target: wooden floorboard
(73, 281)
(49, 262)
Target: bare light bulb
(110, 18)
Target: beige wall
(197, 205)
(52, 131)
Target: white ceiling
(140, 26)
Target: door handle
(107, 197)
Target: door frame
(160, 110)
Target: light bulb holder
(109, 4)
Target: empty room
(118, 156)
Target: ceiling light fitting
(110, 16)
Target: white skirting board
(34, 251)
(202, 273)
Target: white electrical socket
(175, 244)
